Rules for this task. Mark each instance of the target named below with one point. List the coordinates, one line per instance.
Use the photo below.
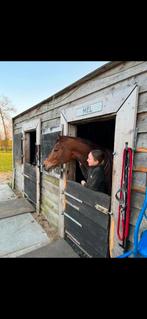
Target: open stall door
(31, 162)
(125, 131)
(30, 182)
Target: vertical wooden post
(62, 183)
(38, 132)
(71, 130)
(22, 166)
(124, 132)
(13, 163)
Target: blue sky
(28, 83)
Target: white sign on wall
(88, 109)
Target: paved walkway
(22, 236)
(57, 249)
(6, 192)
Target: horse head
(60, 154)
(69, 148)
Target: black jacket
(95, 177)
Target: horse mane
(82, 140)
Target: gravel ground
(50, 230)
(6, 177)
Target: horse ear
(58, 137)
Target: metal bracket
(101, 209)
(114, 153)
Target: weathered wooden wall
(140, 158)
(109, 84)
(50, 198)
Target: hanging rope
(125, 196)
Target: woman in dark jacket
(94, 174)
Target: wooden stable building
(109, 107)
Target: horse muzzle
(47, 166)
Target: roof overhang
(82, 80)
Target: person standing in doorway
(94, 173)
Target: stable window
(30, 147)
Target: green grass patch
(5, 161)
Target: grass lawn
(5, 161)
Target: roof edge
(87, 77)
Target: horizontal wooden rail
(138, 189)
(140, 169)
(141, 150)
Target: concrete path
(15, 207)
(57, 249)
(6, 193)
(22, 236)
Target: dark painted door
(86, 219)
(30, 165)
(30, 182)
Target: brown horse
(69, 148)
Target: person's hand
(83, 182)
(80, 163)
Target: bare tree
(6, 109)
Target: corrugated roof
(87, 77)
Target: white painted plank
(124, 132)
(106, 102)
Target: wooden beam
(138, 189)
(141, 150)
(140, 169)
(111, 236)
